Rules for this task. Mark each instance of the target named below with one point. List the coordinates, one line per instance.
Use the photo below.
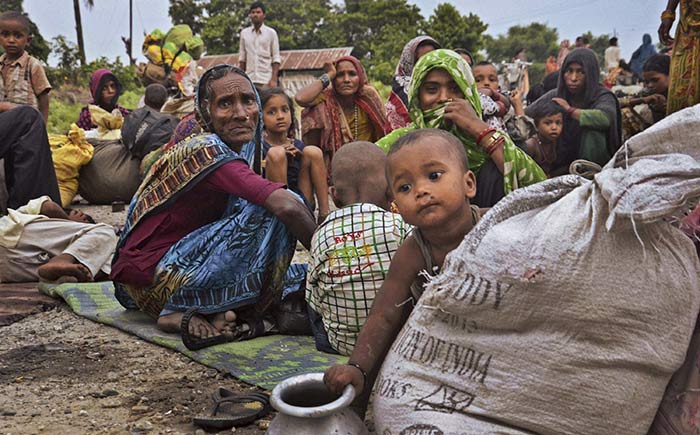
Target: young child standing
(493, 104)
(542, 147)
(351, 251)
(288, 160)
(23, 80)
(429, 177)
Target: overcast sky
(104, 24)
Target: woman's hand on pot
(562, 102)
(339, 376)
(329, 68)
(462, 115)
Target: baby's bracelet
(357, 366)
(668, 15)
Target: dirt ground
(64, 374)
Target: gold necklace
(356, 124)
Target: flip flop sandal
(247, 329)
(234, 409)
(196, 343)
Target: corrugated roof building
(298, 67)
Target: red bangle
(494, 145)
(481, 135)
(570, 111)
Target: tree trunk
(79, 31)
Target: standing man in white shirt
(612, 54)
(259, 54)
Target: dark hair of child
(155, 96)
(89, 218)
(536, 91)
(17, 17)
(550, 81)
(456, 147)
(551, 108)
(269, 93)
(613, 41)
(256, 5)
(660, 63)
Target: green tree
(190, 12)
(225, 19)
(538, 39)
(298, 22)
(453, 30)
(378, 29)
(39, 47)
(598, 44)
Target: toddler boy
(542, 147)
(352, 249)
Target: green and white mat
(264, 361)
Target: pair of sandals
(234, 409)
(246, 329)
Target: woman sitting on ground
(207, 242)
(397, 105)
(341, 107)
(443, 95)
(105, 89)
(592, 125)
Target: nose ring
(247, 117)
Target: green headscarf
(519, 169)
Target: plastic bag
(70, 152)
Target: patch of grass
(62, 113)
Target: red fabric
(204, 204)
(326, 115)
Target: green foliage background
(377, 29)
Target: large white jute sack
(565, 311)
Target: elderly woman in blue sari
(443, 95)
(208, 242)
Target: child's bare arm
(383, 323)
(43, 102)
(53, 210)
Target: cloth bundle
(69, 152)
(565, 310)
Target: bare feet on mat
(64, 268)
(200, 326)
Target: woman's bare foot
(200, 326)
(64, 268)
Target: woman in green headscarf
(443, 95)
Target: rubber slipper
(195, 343)
(234, 409)
(247, 329)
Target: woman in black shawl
(592, 123)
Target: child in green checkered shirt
(429, 177)
(352, 249)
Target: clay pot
(305, 406)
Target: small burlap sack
(566, 309)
